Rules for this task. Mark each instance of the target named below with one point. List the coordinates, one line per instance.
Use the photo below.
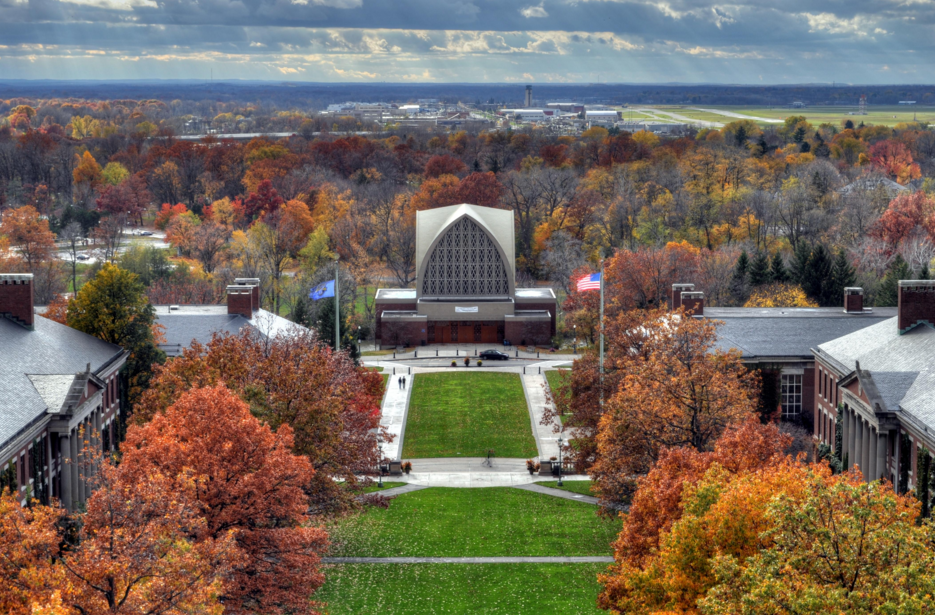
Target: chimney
(16, 298)
(693, 302)
(255, 283)
(240, 300)
(677, 290)
(854, 300)
(916, 304)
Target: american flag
(590, 282)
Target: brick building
(779, 341)
(465, 286)
(59, 388)
(882, 380)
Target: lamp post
(575, 345)
(358, 340)
(560, 443)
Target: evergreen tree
(848, 125)
(888, 295)
(777, 269)
(818, 275)
(842, 276)
(759, 270)
(800, 260)
(821, 149)
(739, 279)
(805, 147)
(741, 136)
(762, 147)
(925, 274)
(324, 324)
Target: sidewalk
(536, 400)
(393, 414)
(583, 559)
(470, 472)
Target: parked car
(82, 257)
(493, 355)
(146, 233)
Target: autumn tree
(208, 243)
(113, 307)
(674, 389)
(278, 236)
(895, 160)
(839, 545)
(30, 234)
(332, 406)
(247, 482)
(29, 543)
(87, 177)
(779, 295)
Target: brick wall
(528, 332)
(403, 332)
(550, 307)
(16, 297)
(388, 307)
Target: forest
(783, 215)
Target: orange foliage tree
(167, 213)
(895, 160)
(679, 392)
(332, 406)
(905, 215)
(247, 480)
(29, 233)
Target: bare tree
(73, 236)
(562, 255)
(208, 241)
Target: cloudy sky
(740, 41)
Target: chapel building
(465, 290)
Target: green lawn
(488, 522)
(418, 589)
(374, 369)
(467, 414)
(576, 486)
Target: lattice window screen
(465, 263)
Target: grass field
(467, 414)
(881, 115)
(494, 522)
(575, 486)
(386, 485)
(420, 589)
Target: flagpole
(337, 305)
(602, 335)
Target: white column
(865, 449)
(874, 457)
(851, 438)
(882, 449)
(73, 470)
(65, 471)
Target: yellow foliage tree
(779, 295)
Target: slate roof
(787, 332)
(200, 322)
(900, 367)
(50, 349)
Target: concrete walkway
(471, 472)
(534, 386)
(597, 559)
(394, 491)
(393, 414)
(559, 493)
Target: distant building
(528, 102)
(465, 286)
(601, 117)
(907, 102)
(566, 107)
(875, 182)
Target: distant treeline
(319, 95)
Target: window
(465, 263)
(791, 395)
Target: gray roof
(49, 350)
(200, 322)
(786, 332)
(902, 367)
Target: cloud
(534, 11)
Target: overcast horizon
(747, 42)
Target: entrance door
(488, 334)
(466, 332)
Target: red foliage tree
(444, 165)
(894, 159)
(332, 406)
(480, 189)
(168, 212)
(264, 200)
(247, 481)
(903, 216)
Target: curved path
(740, 116)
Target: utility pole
(337, 305)
(602, 336)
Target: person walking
(404, 383)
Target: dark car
(493, 355)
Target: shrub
(454, 364)
(407, 467)
(479, 363)
(531, 466)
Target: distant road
(682, 118)
(740, 116)
(246, 136)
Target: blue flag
(322, 291)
